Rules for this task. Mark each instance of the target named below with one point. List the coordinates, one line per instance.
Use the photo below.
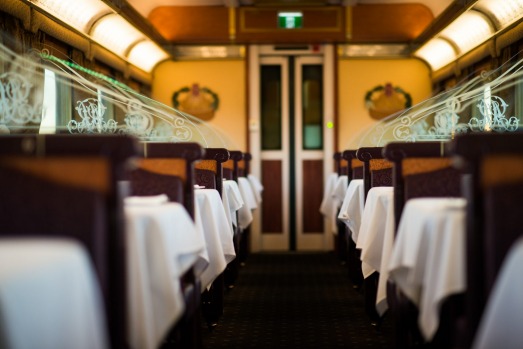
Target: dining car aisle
(295, 300)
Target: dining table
(257, 187)
(163, 243)
(211, 220)
(352, 207)
(376, 238)
(427, 262)
(329, 206)
(235, 209)
(247, 193)
(49, 296)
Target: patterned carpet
(295, 300)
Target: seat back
(337, 162)
(65, 185)
(146, 183)
(174, 160)
(493, 190)
(421, 170)
(247, 157)
(377, 171)
(209, 171)
(231, 168)
(354, 165)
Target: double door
(290, 134)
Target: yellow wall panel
(358, 76)
(225, 78)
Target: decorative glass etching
(446, 121)
(493, 110)
(142, 124)
(181, 131)
(138, 122)
(15, 106)
(91, 111)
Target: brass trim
(348, 22)
(232, 23)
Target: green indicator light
(330, 124)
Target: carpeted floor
(295, 300)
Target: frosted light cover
(116, 34)
(502, 12)
(468, 31)
(146, 54)
(80, 14)
(437, 53)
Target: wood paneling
(272, 209)
(368, 23)
(389, 22)
(312, 195)
(192, 24)
(322, 24)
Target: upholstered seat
(63, 185)
(421, 170)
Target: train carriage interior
(206, 174)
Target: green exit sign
(290, 20)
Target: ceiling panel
(365, 21)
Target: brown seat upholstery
(174, 159)
(377, 172)
(64, 185)
(354, 166)
(209, 171)
(493, 191)
(168, 168)
(146, 183)
(421, 169)
(231, 168)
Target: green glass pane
(312, 106)
(270, 98)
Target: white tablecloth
(162, 243)
(49, 296)
(500, 326)
(256, 186)
(352, 207)
(340, 189)
(428, 258)
(247, 193)
(233, 201)
(329, 206)
(212, 221)
(376, 238)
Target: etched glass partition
(40, 93)
(489, 102)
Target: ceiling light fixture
(98, 21)
(437, 53)
(468, 31)
(502, 13)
